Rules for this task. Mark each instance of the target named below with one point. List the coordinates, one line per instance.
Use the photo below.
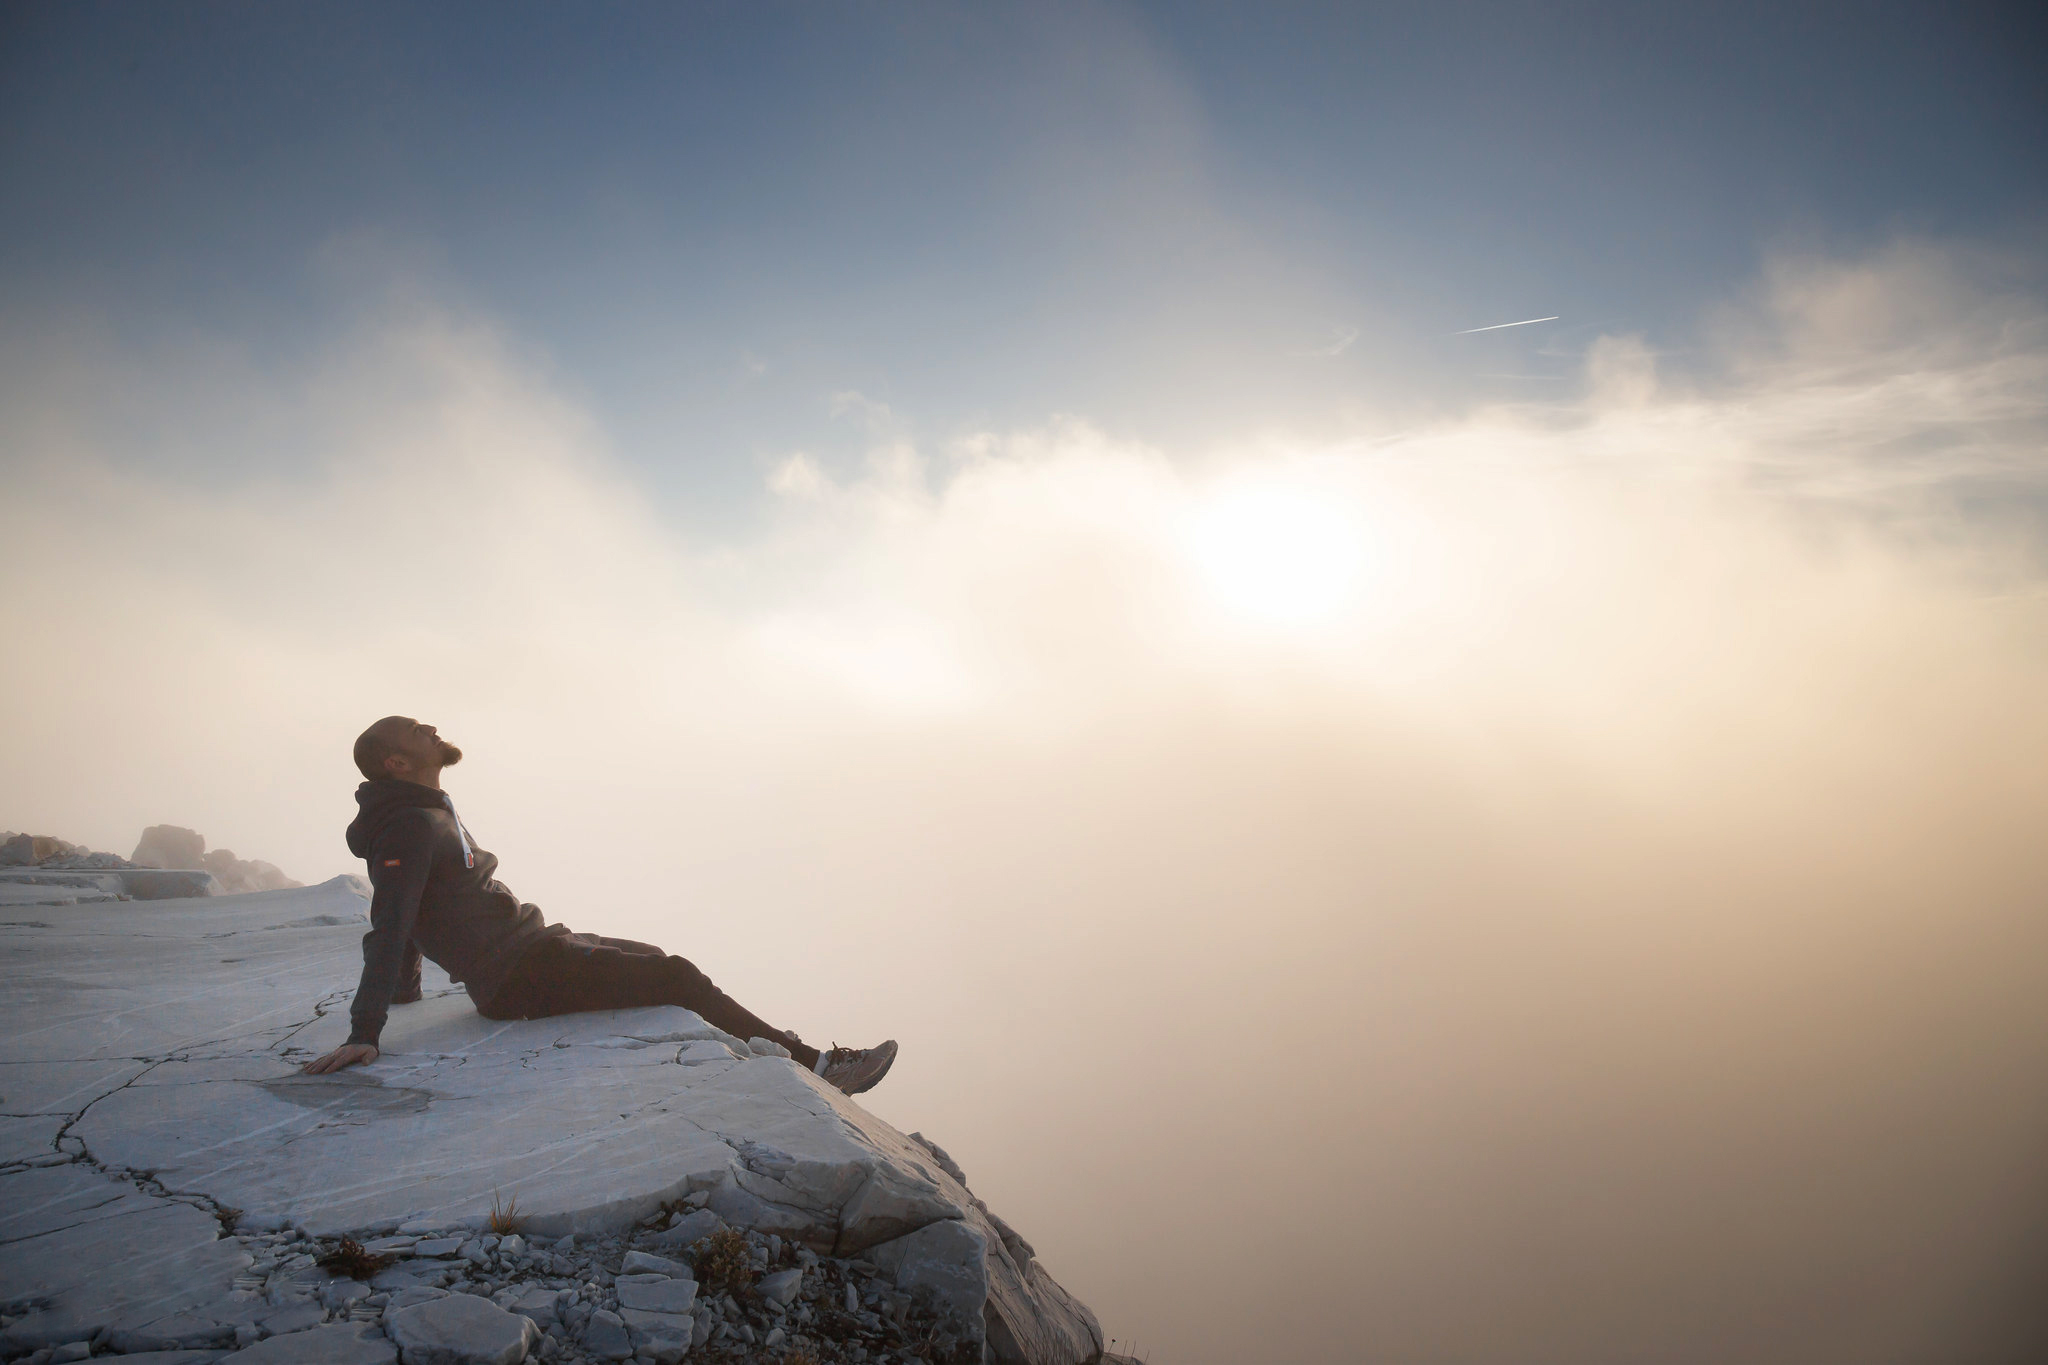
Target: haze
(1380, 845)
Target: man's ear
(398, 765)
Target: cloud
(1615, 903)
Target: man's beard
(447, 753)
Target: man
(435, 895)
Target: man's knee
(687, 978)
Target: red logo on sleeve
(391, 862)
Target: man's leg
(581, 972)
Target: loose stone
(641, 1263)
(781, 1288)
(605, 1336)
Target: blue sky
(706, 221)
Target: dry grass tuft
(505, 1219)
(725, 1264)
(351, 1262)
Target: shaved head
(418, 748)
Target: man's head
(403, 748)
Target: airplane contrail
(1498, 325)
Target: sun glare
(1278, 554)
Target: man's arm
(409, 985)
(399, 863)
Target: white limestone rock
(606, 1337)
(664, 1336)
(342, 1343)
(542, 1305)
(172, 1332)
(293, 1317)
(691, 1228)
(29, 1136)
(460, 1329)
(641, 1263)
(655, 1293)
(80, 1253)
(781, 1287)
(176, 1054)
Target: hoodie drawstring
(468, 857)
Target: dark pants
(572, 973)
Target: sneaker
(855, 1069)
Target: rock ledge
(150, 1105)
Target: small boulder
(640, 1263)
(170, 846)
(460, 1330)
(540, 1304)
(655, 1293)
(781, 1288)
(690, 1228)
(663, 1336)
(605, 1336)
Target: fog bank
(1560, 885)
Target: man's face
(421, 745)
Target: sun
(1278, 554)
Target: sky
(712, 219)
(988, 526)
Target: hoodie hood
(383, 799)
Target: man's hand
(348, 1054)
